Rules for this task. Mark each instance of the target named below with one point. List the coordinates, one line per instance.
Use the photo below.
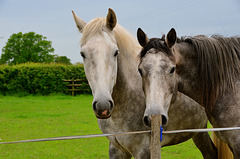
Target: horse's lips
(104, 117)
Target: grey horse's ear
(142, 37)
(79, 22)
(171, 38)
(111, 19)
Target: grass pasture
(34, 117)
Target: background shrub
(32, 78)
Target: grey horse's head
(157, 68)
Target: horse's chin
(103, 117)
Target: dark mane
(158, 44)
(218, 62)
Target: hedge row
(40, 79)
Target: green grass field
(34, 117)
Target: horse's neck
(129, 83)
(187, 72)
(129, 49)
(128, 76)
(127, 93)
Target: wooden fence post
(223, 149)
(73, 85)
(155, 137)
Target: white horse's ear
(79, 22)
(111, 20)
(142, 37)
(171, 38)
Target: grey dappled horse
(205, 69)
(110, 56)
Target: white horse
(110, 56)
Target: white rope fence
(118, 134)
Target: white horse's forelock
(125, 41)
(92, 28)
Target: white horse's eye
(82, 54)
(116, 53)
(140, 71)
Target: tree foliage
(62, 60)
(35, 78)
(28, 47)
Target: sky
(53, 19)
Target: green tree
(28, 47)
(62, 60)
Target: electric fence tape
(118, 134)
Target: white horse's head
(99, 51)
(157, 68)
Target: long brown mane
(219, 64)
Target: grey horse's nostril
(164, 120)
(147, 121)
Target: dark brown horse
(205, 69)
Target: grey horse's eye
(82, 54)
(116, 53)
(172, 70)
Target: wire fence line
(118, 134)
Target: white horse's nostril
(95, 105)
(111, 104)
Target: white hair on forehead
(95, 26)
(125, 40)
